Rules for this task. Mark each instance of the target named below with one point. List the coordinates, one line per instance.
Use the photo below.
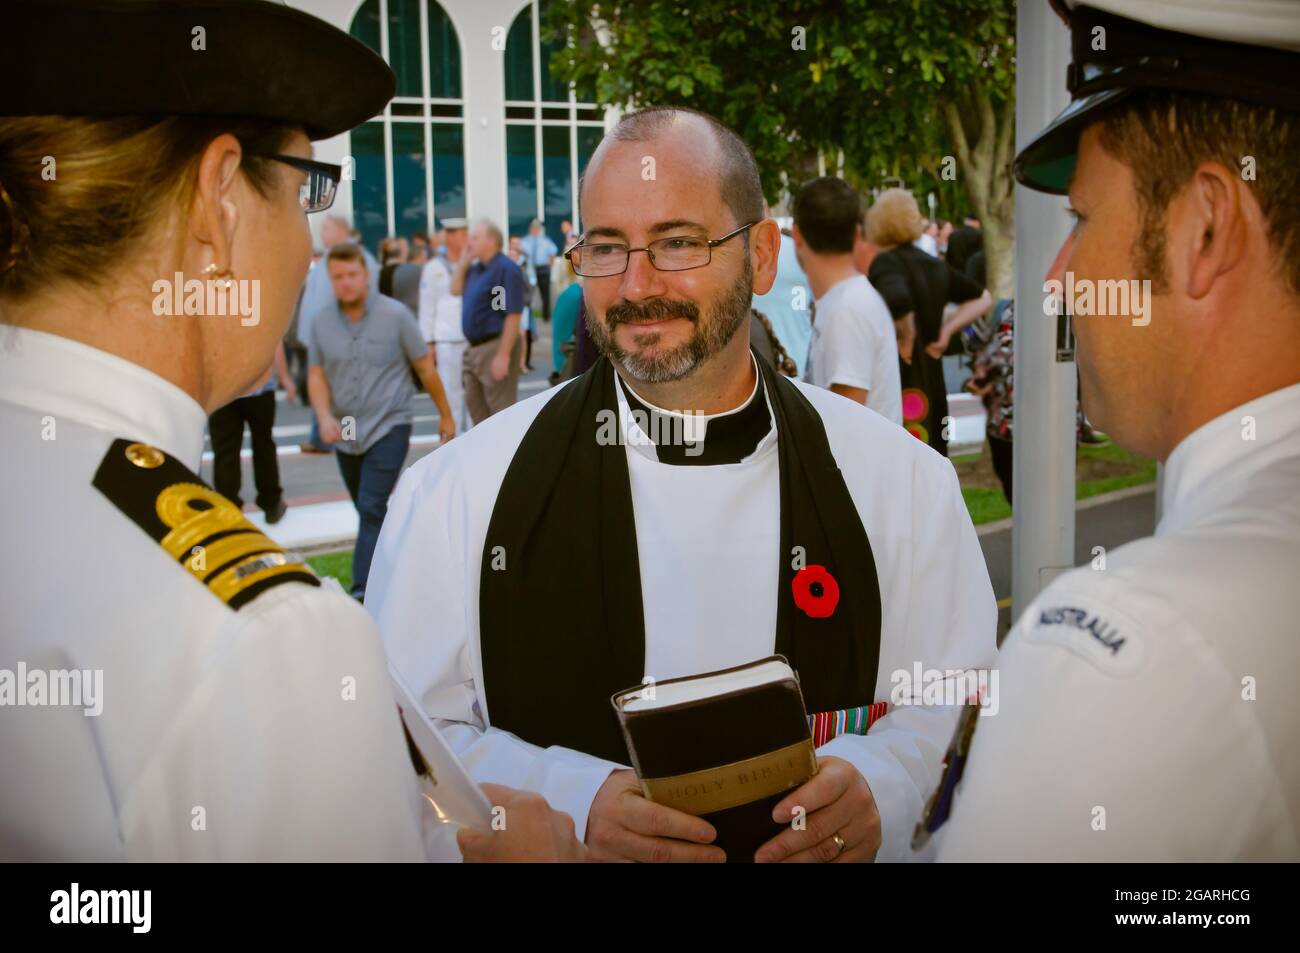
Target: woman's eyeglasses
(317, 193)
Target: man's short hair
(346, 251)
(827, 211)
(738, 179)
(492, 230)
(1163, 135)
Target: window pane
(365, 25)
(588, 138)
(519, 57)
(444, 55)
(448, 172)
(552, 89)
(521, 178)
(370, 187)
(404, 45)
(408, 179)
(559, 185)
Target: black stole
(561, 625)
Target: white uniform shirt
(1157, 695)
(224, 735)
(439, 308)
(937, 603)
(854, 344)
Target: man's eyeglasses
(317, 193)
(682, 253)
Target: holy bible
(725, 746)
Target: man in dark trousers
(255, 409)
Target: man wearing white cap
(440, 318)
(1147, 710)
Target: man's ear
(1212, 232)
(214, 215)
(766, 250)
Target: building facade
(478, 126)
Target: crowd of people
(461, 309)
(454, 315)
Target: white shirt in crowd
(223, 734)
(854, 344)
(439, 309)
(928, 244)
(710, 537)
(1149, 708)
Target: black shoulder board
(196, 525)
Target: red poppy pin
(815, 592)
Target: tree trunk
(986, 171)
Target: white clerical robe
(708, 544)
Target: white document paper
(455, 798)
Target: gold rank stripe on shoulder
(197, 526)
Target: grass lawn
(338, 565)
(1097, 469)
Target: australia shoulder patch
(195, 525)
(1103, 634)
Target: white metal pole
(1044, 438)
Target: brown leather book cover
(726, 746)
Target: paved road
(309, 478)
(1108, 521)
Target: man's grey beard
(708, 337)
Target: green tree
(921, 90)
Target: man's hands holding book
(622, 825)
(838, 803)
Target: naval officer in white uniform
(652, 518)
(1148, 709)
(440, 318)
(173, 685)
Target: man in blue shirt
(493, 292)
(540, 250)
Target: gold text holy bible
(725, 746)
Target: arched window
(551, 131)
(410, 160)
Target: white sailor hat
(455, 223)
(1247, 50)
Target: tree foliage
(893, 85)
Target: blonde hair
(77, 194)
(894, 219)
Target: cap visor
(1047, 163)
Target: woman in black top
(917, 287)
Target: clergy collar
(1212, 465)
(69, 380)
(689, 439)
